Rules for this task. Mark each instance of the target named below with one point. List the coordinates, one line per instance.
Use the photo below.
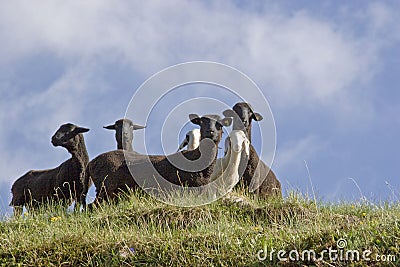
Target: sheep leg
(83, 200)
(99, 199)
(77, 206)
(90, 207)
(85, 178)
(18, 210)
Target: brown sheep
(61, 184)
(107, 165)
(124, 133)
(145, 168)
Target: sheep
(198, 164)
(265, 182)
(107, 165)
(192, 140)
(196, 171)
(63, 183)
(124, 133)
(226, 173)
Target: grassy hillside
(141, 231)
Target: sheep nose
(237, 148)
(54, 141)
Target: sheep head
(124, 132)
(67, 136)
(210, 126)
(239, 142)
(243, 115)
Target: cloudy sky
(329, 70)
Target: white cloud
(298, 59)
(383, 22)
(293, 154)
(44, 109)
(301, 56)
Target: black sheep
(197, 169)
(108, 165)
(61, 184)
(124, 133)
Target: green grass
(224, 233)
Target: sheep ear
(109, 127)
(227, 145)
(79, 130)
(257, 117)
(229, 113)
(138, 127)
(184, 143)
(194, 118)
(226, 121)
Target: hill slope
(230, 232)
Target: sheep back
(61, 183)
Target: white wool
(226, 171)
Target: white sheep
(226, 173)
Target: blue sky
(329, 69)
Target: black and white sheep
(109, 166)
(192, 140)
(257, 176)
(61, 184)
(197, 165)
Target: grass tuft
(139, 231)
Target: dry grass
(141, 231)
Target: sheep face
(239, 141)
(210, 126)
(124, 132)
(243, 114)
(66, 135)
